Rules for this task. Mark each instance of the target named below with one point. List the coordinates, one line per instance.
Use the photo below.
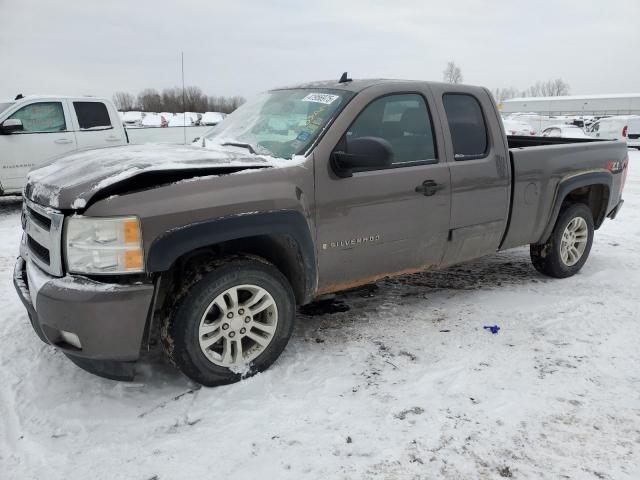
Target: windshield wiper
(240, 144)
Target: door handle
(112, 139)
(428, 188)
(63, 141)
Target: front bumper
(99, 326)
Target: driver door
(380, 222)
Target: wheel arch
(281, 237)
(591, 188)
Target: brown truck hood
(70, 182)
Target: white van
(34, 129)
(614, 128)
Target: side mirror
(362, 153)
(11, 125)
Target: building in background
(596, 105)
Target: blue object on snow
(493, 328)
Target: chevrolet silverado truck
(302, 192)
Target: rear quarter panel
(537, 175)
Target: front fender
(167, 248)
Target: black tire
(546, 258)
(180, 331)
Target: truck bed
(518, 141)
(538, 165)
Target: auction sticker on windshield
(325, 98)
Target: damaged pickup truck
(302, 192)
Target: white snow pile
(181, 121)
(211, 118)
(395, 381)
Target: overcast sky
(242, 47)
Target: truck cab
(35, 129)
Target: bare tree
(501, 94)
(555, 88)
(549, 88)
(124, 101)
(149, 100)
(452, 74)
(172, 100)
(195, 100)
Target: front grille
(39, 250)
(43, 236)
(39, 218)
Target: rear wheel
(568, 247)
(232, 323)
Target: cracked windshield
(280, 123)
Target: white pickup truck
(34, 129)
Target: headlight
(103, 246)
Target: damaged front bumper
(99, 326)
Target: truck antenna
(184, 113)
(345, 78)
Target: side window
(92, 115)
(467, 126)
(42, 117)
(404, 121)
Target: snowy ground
(406, 384)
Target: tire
(199, 316)
(551, 258)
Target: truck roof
(355, 85)
(48, 97)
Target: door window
(403, 121)
(92, 115)
(42, 117)
(467, 126)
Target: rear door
(96, 124)
(376, 223)
(46, 133)
(480, 171)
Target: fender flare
(567, 185)
(168, 247)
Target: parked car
(335, 185)
(62, 124)
(133, 119)
(181, 120)
(211, 118)
(195, 116)
(154, 120)
(633, 132)
(538, 122)
(564, 131)
(515, 127)
(612, 127)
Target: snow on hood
(70, 181)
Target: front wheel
(568, 247)
(232, 323)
